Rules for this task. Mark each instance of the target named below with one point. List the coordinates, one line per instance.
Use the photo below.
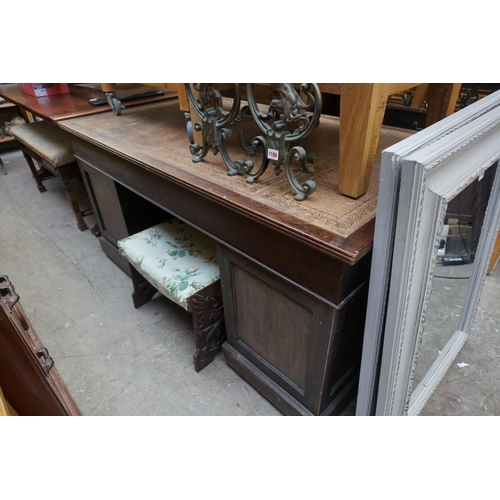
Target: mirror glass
(454, 267)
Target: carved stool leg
(66, 181)
(143, 290)
(208, 323)
(36, 174)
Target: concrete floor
(116, 360)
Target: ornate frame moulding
(419, 176)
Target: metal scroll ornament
(287, 123)
(216, 125)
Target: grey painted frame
(415, 185)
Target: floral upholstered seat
(175, 258)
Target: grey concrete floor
(116, 360)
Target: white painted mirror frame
(418, 177)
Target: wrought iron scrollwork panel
(216, 125)
(287, 122)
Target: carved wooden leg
(143, 290)
(66, 180)
(420, 95)
(208, 323)
(37, 175)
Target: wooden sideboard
(294, 275)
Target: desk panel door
(106, 205)
(298, 350)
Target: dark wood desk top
(155, 138)
(70, 105)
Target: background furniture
(7, 112)
(60, 107)
(362, 108)
(178, 88)
(6, 409)
(28, 380)
(65, 106)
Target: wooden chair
(178, 261)
(50, 147)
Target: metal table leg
(2, 167)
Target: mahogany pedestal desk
(294, 287)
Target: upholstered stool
(181, 263)
(50, 147)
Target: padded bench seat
(181, 263)
(51, 148)
(49, 141)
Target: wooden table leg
(109, 90)
(38, 175)
(362, 108)
(70, 193)
(183, 98)
(420, 95)
(495, 256)
(442, 99)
